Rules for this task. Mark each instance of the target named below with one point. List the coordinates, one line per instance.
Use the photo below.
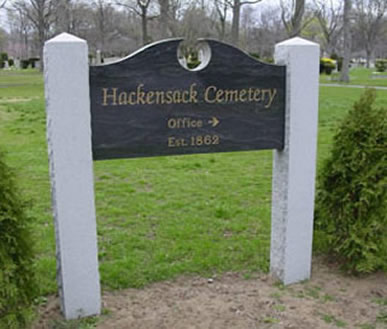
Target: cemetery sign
(148, 104)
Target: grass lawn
(358, 76)
(157, 217)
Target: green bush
(351, 201)
(11, 62)
(33, 61)
(255, 55)
(17, 283)
(3, 58)
(24, 63)
(193, 64)
(339, 61)
(381, 65)
(327, 65)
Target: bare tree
(329, 15)
(140, 8)
(236, 6)
(369, 19)
(101, 17)
(164, 17)
(347, 40)
(222, 8)
(20, 29)
(292, 15)
(63, 10)
(40, 14)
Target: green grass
(358, 76)
(20, 84)
(157, 217)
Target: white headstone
(17, 63)
(98, 57)
(71, 169)
(294, 167)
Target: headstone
(17, 63)
(98, 57)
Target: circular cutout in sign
(194, 57)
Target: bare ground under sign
(328, 300)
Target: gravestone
(148, 104)
(17, 63)
(98, 57)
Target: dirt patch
(328, 300)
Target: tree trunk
(41, 40)
(297, 18)
(144, 23)
(236, 13)
(222, 29)
(347, 41)
(164, 18)
(369, 50)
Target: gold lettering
(112, 96)
(172, 123)
(185, 99)
(171, 142)
(207, 96)
(219, 96)
(150, 97)
(123, 98)
(257, 92)
(231, 95)
(272, 94)
(169, 96)
(242, 95)
(131, 98)
(193, 94)
(160, 97)
(251, 94)
(140, 94)
(176, 97)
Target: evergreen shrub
(351, 200)
(327, 65)
(339, 61)
(33, 61)
(17, 283)
(381, 65)
(3, 58)
(24, 63)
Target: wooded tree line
(117, 27)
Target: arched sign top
(222, 53)
(148, 104)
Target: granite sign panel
(148, 104)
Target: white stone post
(71, 169)
(294, 167)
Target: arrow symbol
(214, 121)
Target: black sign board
(148, 104)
